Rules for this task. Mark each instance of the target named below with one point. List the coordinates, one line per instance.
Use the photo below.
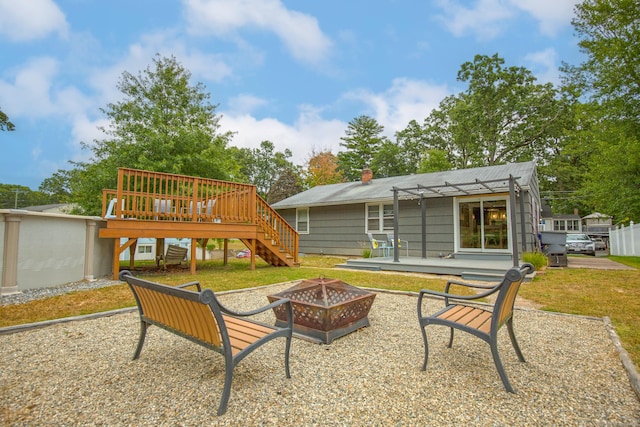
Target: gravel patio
(81, 373)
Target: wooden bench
(199, 317)
(478, 321)
(174, 256)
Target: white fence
(625, 241)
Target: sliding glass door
(483, 224)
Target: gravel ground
(81, 373)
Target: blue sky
(291, 72)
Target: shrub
(538, 259)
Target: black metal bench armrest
(186, 285)
(468, 285)
(226, 310)
(447, 296)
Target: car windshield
(577, 237)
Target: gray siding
(340, 230)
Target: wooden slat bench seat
(199, 317)
(478, 321)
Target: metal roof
(438, 184)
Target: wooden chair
(174, 256)
(478, 321)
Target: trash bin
(554, 246)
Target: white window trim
(380, 228)
(298, 219)
(456, 222)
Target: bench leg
(450, 338)
(512, 335)
(143, 334)
(496, 360)
(426, 348)
(286, 357)
(226, 391)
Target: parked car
(600, 244)
(244, 254)
(579, 243)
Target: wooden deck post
(193, 255)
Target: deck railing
(158, 196)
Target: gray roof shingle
(381, 189)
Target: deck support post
(194, 255)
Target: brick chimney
(367, 175)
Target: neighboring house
(482, 211)
(570, 223)
(146, 248)
(598, 225)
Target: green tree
(434, 161)
(288, 183)
(5, 124)
(609, 81)
(502, 116)
(163, 124)
(389, 160)
(610, 39)
(20, 196)
(262, 166)
(414, 146)
(362, 141)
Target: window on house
(559, 225)
(573, 225)
(379, 218)
(302, 220)
(144, 249)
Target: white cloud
(552, 14)
(245, 103)
(30, 92)
(544, 65)
(488, 18)
(139, 57)
(32, 19)
(404, 101)
(299, 32)
(310, 132)
(484, 18)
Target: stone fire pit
(325, 309)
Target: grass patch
(597, 293)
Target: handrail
(281, 233)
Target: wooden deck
(158, 205)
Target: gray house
(483, 212)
